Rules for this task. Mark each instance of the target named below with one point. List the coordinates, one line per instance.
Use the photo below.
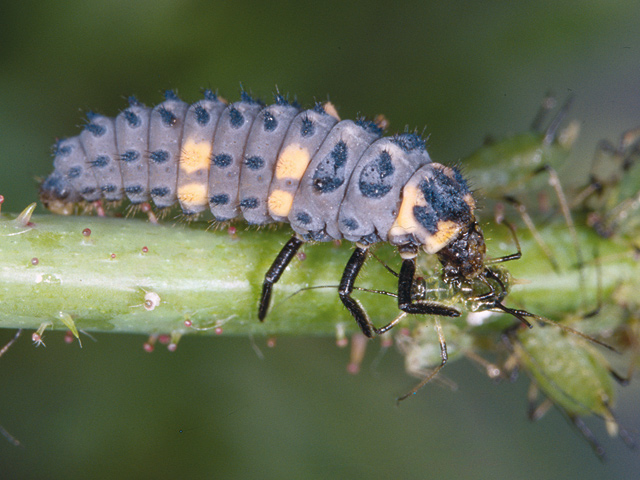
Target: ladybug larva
(328, 178)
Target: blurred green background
(214, 408)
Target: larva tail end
(57, 195)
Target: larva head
(57, 195)
(436, 213)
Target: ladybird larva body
(132, 137)
(329, 179)
(165, 137)
(261, 153)
(304, 137)
(197, 137)
(227, 157)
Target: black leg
(346, 289)
(273, 275)
(405, 302)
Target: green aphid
(507, 167)
(613, 194)
(574, 377)
(421, 348)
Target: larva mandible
(328, 178)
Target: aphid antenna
(554, 181)
(316, 287)
(384, 264)
(573, 331)
(519, 314)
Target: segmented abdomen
(328, 178)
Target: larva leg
(406, 303)
(275, 272)
(346, 289)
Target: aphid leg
(492, 370)
(383, 263)
(443, 355)
(535, 411)
(345, 289)
(275, 272)
(588, 435)
(615, 429)
(4, 349)
(526, 218)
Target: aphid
(573, 376)
(613, 194)
(329, 179)
(510, 170)
(506, 167)
(426, 354)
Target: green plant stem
(214, 278)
